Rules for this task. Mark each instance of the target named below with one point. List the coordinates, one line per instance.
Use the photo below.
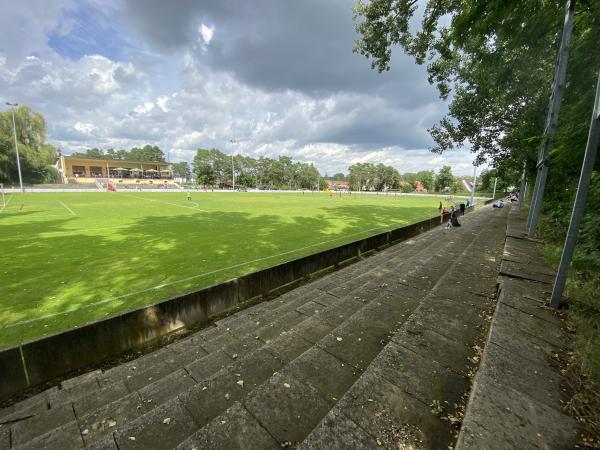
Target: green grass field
(71, 258)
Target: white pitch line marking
(160, 286)
(6, 203)
(195, 208)
(68, 209)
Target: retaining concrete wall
(41, 360)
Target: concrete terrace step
(427, 361)
(284, 347)
(516, 401)
(317, 339)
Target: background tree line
(150, 153)
(371, 177)
(210, 167)
(213, 167)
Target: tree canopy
(147, 153)
(36, 156)
(213, 167)
(494, 61)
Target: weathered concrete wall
(41, 360)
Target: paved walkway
(377, 354)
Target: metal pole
(474, 183)
(522, 188)
(495, 183)
(579, 206)
(232, 172)
(558, 88)
(233, 141)
(12, 110)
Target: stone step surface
(333, 362)
(515, 401)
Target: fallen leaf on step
(167, 421)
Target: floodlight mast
(12, 109)
(474, 184)
(233, 141)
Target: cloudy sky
(277, 77)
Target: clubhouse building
(78, 170)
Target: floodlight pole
(558, 87)
(233, 141)
(580, 198)
(495, 183)
(232, 172)
(12, 109)
(523, 185)
(474, 184)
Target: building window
(96, 172)
(79, 171)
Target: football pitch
(71, 258)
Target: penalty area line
(67, 208)
(183, 280)
(195, 208)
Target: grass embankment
(70, 258)
(582, 371)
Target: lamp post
(233, 141)
(13, 105)
(474, 184)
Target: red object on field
(110, 187)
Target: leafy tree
(147, 153)
(181, 170)
(444, 179)
(93, 153)
(203, 168)
(339, 177)
(427, 179)
(111, 154)
(367, 176)
(35, 155)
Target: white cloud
(332, 111)
(145, 108)
(206, 33)
(85, 128)
(162, 103)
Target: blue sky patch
(85, 31)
